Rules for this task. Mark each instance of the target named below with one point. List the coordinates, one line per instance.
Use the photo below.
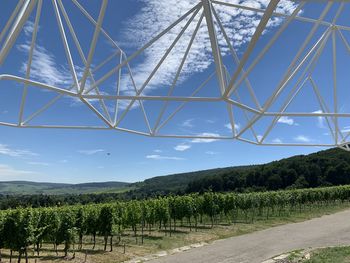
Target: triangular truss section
(89, 76)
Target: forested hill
(329, 167)
(177, 183)
(324, 168)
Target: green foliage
(67, 230)
(324, 168)
(105, 221)
(330, 255)
(21, 228)
(29, 188)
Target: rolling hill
(328, 167)
(323, 168)
(29, 188)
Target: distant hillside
(176, 183)
(324, 168)
(329, 167)
(30, 188)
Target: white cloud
(6, 150)
(90, 152)
(345, 129)
(188, 123)
(182, 147)
(63, 161)
(44, 67)
(236, 125)
(28, 28)
(159, 157)
(286, 120)
(211, 152)
(158, 151)
(277, 140)
(302, 138)
(156, 15)
(211, 137)
(6, 170)
(320, 120)
(39, 163)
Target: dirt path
(256, 247)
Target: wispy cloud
(158, 151)
(277, 140)
(156, 15)
(28, 28)
(6, 150)
(160, 157)
(91, 152)
(211, 152)
(44, 67)
(205, 140)
(182, 147)
(345, 129)
(39, 163)
(237, 126)
(302, 139)
(188, 123)
(320, 120)
(6, 170)
(286, 120)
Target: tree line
(25, 229)
(324, 168)
(44, 200)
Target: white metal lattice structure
(231, 76)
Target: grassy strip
(330, 255)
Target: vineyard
(25, 230)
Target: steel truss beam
(88, 90)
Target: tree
(2, 234)
(25, 233)
(80, 225)
(209, 206)
(66, 233)
(92, 222)
(18, 231)
(106, 220)
(133, 215)
(53, 222)
(10, 230)
(40, 227)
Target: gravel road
(256, 247)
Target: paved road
(256, 247)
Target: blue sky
(79, 155)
